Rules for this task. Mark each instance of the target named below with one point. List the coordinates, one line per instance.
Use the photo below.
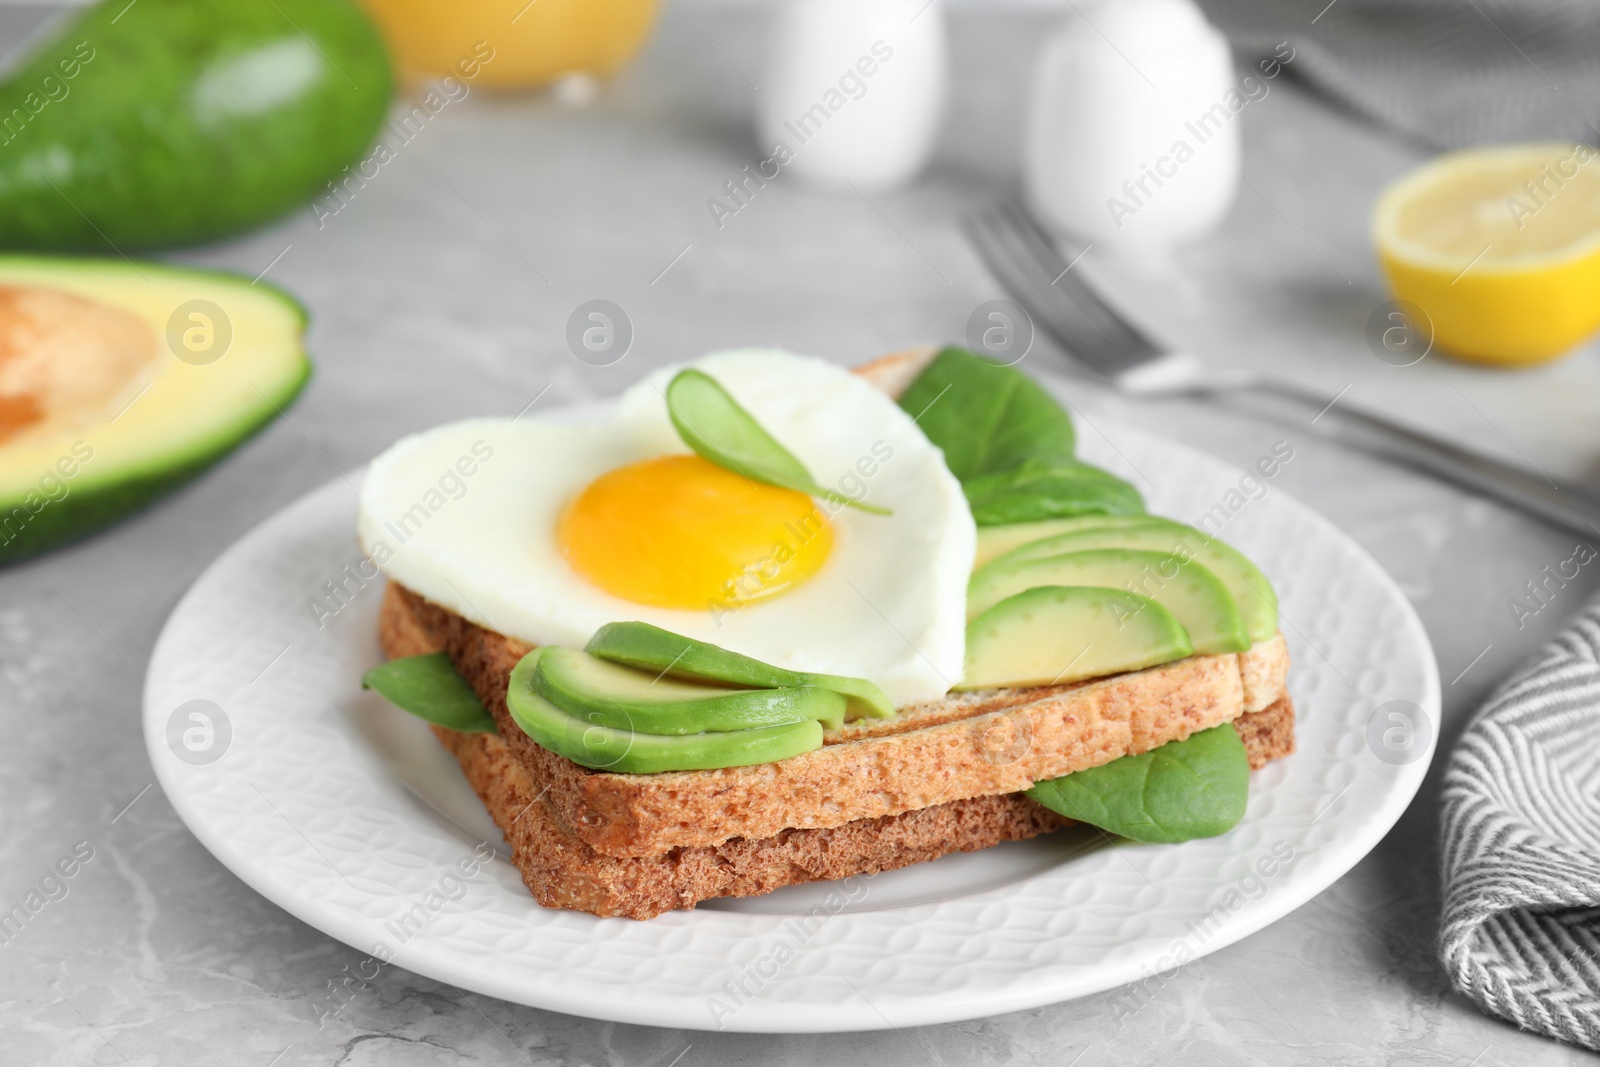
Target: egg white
(889, 604)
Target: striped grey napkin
(1521, 834)
(1447, 72)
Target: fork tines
(1027, 262)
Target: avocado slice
(429, 687)
(175, 121)
(621, 697)
(1258, 604)
(143, 376)
(590, 744)
(1195, 596)
(638, 644)
(1051, 635)
(996, 541)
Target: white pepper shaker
(853, 90)
(1133, 127)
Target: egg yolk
(682, 532)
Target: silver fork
(1036, 271)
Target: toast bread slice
(561, 870)
(984, 743)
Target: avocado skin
(88, 511)
(140, 152)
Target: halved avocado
(120, 381)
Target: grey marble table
(443, 290)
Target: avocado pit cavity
(65, 360)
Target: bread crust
(895, 372)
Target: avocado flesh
(1196, 597)
(64, 477)
(1258, 604)
(996, 541)
(627, 752)
(626, 699)
(175, 121)
(638, 644)
(1052, 635)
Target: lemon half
(1501, 248)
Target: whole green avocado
(162, 122)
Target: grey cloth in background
(1447, 72)
(1521, 839)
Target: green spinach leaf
(1049, 489)
(430, 688)
(987, 418)
(1010, 444)
(716, 426)
(1183, 790)
(650, 648)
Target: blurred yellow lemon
(1501, 248)
(509, 44)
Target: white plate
(345, 812)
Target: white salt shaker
(853, 90)
(1133, 129)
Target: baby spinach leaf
(1049, 488)
(987, 418)
(716, 426)
(650, 648)
(430, 688)
(1009, 443)
(1183, 790)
